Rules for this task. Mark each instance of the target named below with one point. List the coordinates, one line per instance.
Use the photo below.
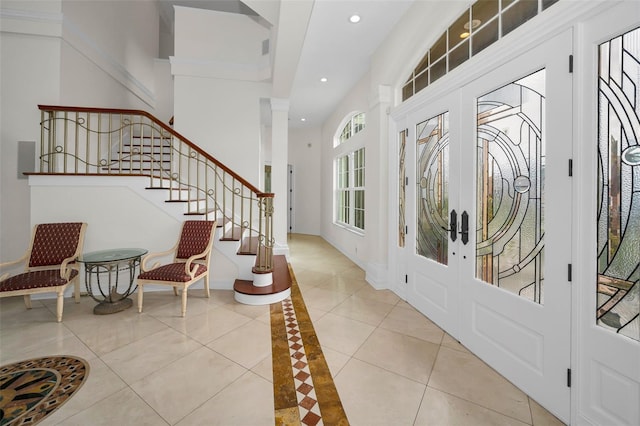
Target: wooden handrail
(88, 144)
(164, 127)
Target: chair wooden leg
(27, 301)
(60, 304)
(206, 285)
(140, 295)
(175, 290)
(184, 301)
(76, 290)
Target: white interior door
(432, 168)
(515, 294)
(608, 332)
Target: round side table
(106, 266)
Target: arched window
(349, 181)
(351, 127)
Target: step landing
(248, 294)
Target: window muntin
(481, 24)
(350, 196)
(351, 127)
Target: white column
(279, 160)
(377, 177)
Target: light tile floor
(391, 365)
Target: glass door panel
(510, 187)
(432, 145)
(618, 225)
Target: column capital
(380, 95)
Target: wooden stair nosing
(281, 280)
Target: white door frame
(607, 366)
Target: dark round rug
(31, 390)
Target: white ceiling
(333, 48)
(340, 51)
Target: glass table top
(111, 255)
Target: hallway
(390, 364)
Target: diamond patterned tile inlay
(307, 401)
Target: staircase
(111, 142)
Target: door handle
(464, 231)
(453, 225)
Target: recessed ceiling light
(323, 79)
(464, 35)
(303, 119)
(474, 24)
(354, 19)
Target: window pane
(483, 11)
(439, 48)
(346, 133)
(358, 168)
(422, 81)
(510, 187)
(402, 174)
(438, 69)
(359, 209)
(459, 55)
(484, 37)
(424, 63)
(358, 122)
(433, 188)
(518, 14)
(343, 172)
(407, 91)
(343, 206)
(618, 208)
(460, 29)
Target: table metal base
(105, 308)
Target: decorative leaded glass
(432, 144)
(618, 227)
(510, 191)
(402, 194)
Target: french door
(489, 196)
(608, 339)
(434, 189)
(515, 290)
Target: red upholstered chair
(49, 264)
(191, 256)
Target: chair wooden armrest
(22, 259)
(148, 257)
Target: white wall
(351, 244)
(304, 155)
(65, 52)
(217, 98)
(121, 39)
(30, 75)
(118, 215)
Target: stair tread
(249, 246)
(281, 280)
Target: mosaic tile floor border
(33, 389)
(304, 391)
